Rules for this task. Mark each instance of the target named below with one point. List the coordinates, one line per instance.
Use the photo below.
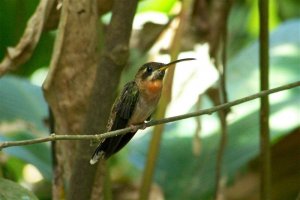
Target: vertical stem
(264, 102)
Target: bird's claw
(134, 128)
(144, 125)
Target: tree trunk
(79, 89)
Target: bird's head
(150, 75)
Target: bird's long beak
(164, 67)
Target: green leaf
(20, 100)
(10, 190)
(12, 169)
(156, 5)
(253, 20)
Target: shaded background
(187, 159)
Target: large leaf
(184, 176)
(23, 110)
(21, 100)
(12, 191)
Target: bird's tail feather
(97, 155)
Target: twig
(102, 136)
(265, 174)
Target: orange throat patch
(153, 87)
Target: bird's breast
(144, 108)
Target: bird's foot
(134, 128)
(144, 125)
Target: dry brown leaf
(19, 54)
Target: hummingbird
(133, 106)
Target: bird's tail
(98, 153)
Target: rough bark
(70, 80)
(103, 7)
(113, 59)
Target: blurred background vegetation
(187, 159)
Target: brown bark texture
(79, 89)
(70, 79)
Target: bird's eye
(149, 69)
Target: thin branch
(102, 136)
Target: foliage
(13, 191)
(23, 112)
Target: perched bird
(134, 105)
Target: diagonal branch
(19, 54)
(101, 136)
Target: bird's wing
(120, 115)
(128, 98)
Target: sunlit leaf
(156, 5)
